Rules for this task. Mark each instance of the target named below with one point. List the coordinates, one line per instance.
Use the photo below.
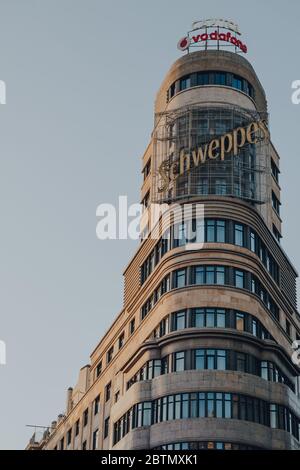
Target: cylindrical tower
(219, 370)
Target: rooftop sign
(213, 33)
(218, 148)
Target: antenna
(37, 426)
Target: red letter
(214, 36)
(196, 38)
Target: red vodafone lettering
(216, 36)
(197, 38)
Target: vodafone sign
(216, 36)
(184, 43)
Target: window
(221, 361)
(117, 396)
(215, 231)
(165, 365)
(148, 266)
(121, 340)
(171, 92)
(180, 278)
(84, 445)
(109, 355)
(202, 187)
(254, 285)
(179, 361)
(147, 306)
(85, 417)
(146, 170)
(165, 285)
(165, 242)
(220, 275)
(276, 234)
(240, 321)
(238, 234)
(275, 203)
(220, 228)
(208, 318)
(288, 327)
(69, 437)
(106, 427)
(99, 369)
(146, 200)
(199, 359)
(258, 289)
(209, 275)
(95, 439)
(179, 320)
(132, 326)
(163, 327)
(219, 78)
(237, 82)
(254, 329)
(216, 275)
(152, 370)
(199, 275)
(241, 362)
(77, 427)
(239, 279)
(107, 391)
(273, 416)
(198, 318)
(221, 187)
(142, 414)
(210, 231)
(96, 405)
(221, 318)
(264, 370)
(185, 83)
(180, 234)
(62, 444)
(157, 367)
(211, 78)
(202, 78)
(211, 359)
(204, 405)
(253, 242)
(275, 170)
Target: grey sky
(81, 79)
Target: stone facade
(102, 397)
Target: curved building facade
(200, 356)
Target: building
(200, 357)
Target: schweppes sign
(217, 148)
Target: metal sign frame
(217, 35)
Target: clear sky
(81, 79)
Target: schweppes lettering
(217, 148)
